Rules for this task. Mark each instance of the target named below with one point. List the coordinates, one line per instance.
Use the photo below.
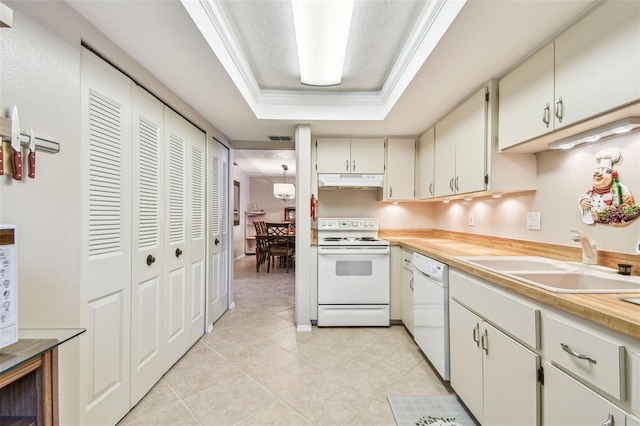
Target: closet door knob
(178, 252)
(217, 241)
(150, 260)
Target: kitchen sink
(581, 282)
(517, 263)
(557, 276)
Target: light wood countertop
(604, 309)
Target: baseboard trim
(303, 328)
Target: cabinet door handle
(451, 184)
(559, 109)
(546, 115)
(485, 342)
(476, 334)
(431, 188)
(354, 165)
(609, 421)
(571, 352)
(411, 284)
(347, 165)
(456, 185)
(390, 192)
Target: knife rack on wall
(41, 144)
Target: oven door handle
(329, 251)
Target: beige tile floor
(255, 369)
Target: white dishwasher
(431, 311)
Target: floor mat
(446, 410)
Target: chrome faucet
(589, 249)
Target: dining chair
(278, 240)
(262, 248)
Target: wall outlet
(472, 219)
(533, 220)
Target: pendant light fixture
(284, 191)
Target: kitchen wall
(238, 230)
(562, 176)
(261, 193)
(364, 203)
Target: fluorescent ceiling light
(322, 29)
(617, 127)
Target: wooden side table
(29, 377)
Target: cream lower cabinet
(495, 376)
(569, 403)
(395, 276)
(407, 290)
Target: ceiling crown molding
(432, 24)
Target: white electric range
(353, 273)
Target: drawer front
(513, 316)
(567, 402)
(407, 260)
(590, 357)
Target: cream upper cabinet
(399, 179)
(425, 163)
(590, 69)
(461, 147)
(343, 155)
(597, 62)
(526, 100)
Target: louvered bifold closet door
(184, 211)
(218, 230)
(106, 242)
(147, 330)
(197, 234)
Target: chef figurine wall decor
(608, 201)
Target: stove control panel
(348, 224)
(8, 286)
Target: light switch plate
(533, 221)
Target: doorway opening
(257, 171)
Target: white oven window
(354, 268)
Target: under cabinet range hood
(349, 181)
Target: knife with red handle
(32, 154)
(16, 159)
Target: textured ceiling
(262, 162)
(264, 31)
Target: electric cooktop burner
(349, 232)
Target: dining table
(262, 240)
